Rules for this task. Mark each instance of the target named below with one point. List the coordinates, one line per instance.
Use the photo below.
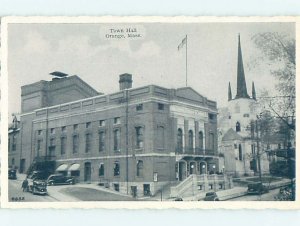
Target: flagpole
(186, 60)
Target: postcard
(149, 112)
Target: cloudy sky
(35, 50)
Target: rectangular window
(200, 187)
(88, 142)
(139, 168)
(75, 127)
(161, 106)
(220, 186)
(102, 123)
(211, 186)
(139, 131)
(39, 132)
(75, 144)
(117, 140)
(88, 125)
(161, 138)
(139, 107)
(14, 143)
(63, 143)
(211, 116)
(116, 168)
(52, 142)
(101, 170)
(63, 129)
(52, 130)
(101, 141)
(117, 120)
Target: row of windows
(117, 120)
(117, 168)
(191, 140)
(139, 141)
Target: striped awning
(62, 167)
(74, 167)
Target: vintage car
(56, 179)
(211, 196)
(257, 188)
(36, 184)
(12, 174)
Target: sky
(35, 50)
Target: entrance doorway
(203, 168)
(87, 172)
(182, 171)
(22, 166)
(147, 189)
(193, 168)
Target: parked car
(36, 184)
(12, 174)
(178, 199)
(211, 196)
(257, 188)
(56, 179)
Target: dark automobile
(36, 184)
(12, 174)
(178, 199)
(257, 188)
(55, 179)
(211, 196)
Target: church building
(237, 137)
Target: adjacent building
(237, 129)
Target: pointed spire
(229, 92)
(253, 92)
(241, 81)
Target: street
(264, 197)
(15, 193)
(92, 192)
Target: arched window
(191, 140)
(237, 127)
(212, 141)
(200, 140)
(179, 140)
(240, 152)
(139, 168)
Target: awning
(62, 167)
(74, 167)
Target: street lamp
(214, 167)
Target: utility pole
(258, 151)
(126, 128)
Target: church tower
(242, 106)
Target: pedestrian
(25, 184)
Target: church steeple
(241, 81)
(229, 92)
(253, 92)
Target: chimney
(125, 81)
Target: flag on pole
(183, 42)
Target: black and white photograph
(153, 110)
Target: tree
(278, 50)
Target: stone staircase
(185, 188)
